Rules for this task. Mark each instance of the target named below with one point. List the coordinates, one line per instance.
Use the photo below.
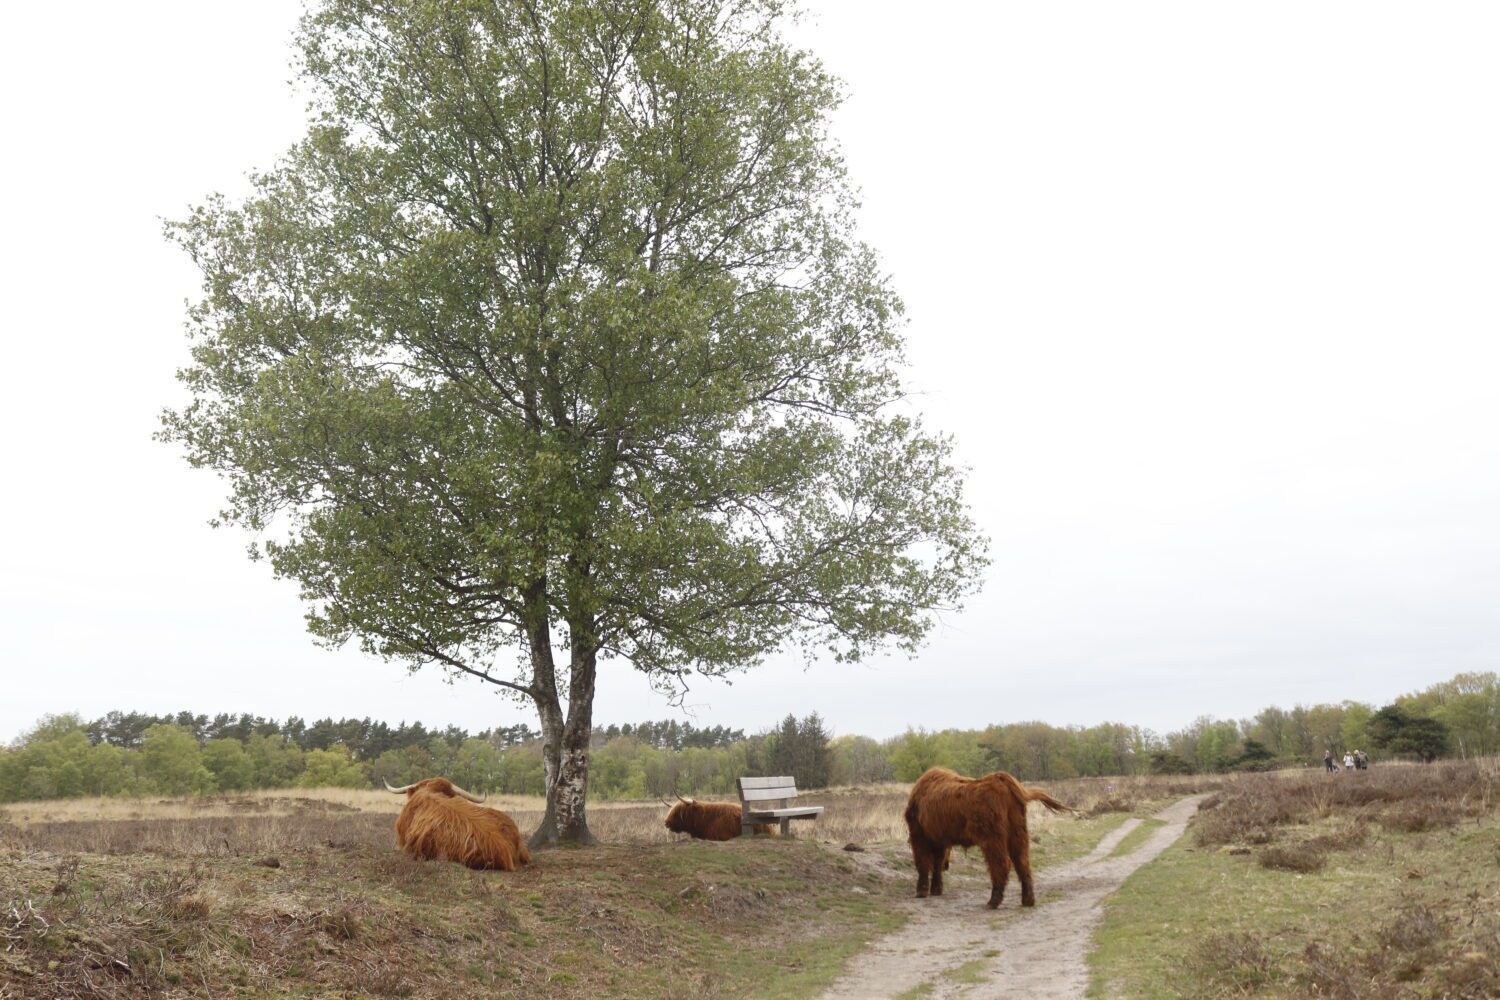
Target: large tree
(552, 344)
(1397, 730)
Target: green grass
(1069, 839)
(969, 972)
(1206, 923)
(1135, 838)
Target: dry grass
(270, 802)
(1380, 885)
(308, 819)
(1408, 799)
(302, 893)
(670, 921)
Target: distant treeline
(141, 754)
(136, 753)
(367, 739)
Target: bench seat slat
(767, 794)
(795, 813)
(782, 782)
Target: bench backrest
(755, 791)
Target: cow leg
(1020, 856)
(921, 854)
(939, 865)
(998, 861)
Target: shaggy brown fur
(437, 823)
(947, 810)
(709, 820)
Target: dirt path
(962, 950)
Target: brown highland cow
(709, 820)
(441, 820)
(947, 810)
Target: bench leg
(786, 825)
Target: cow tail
(1026, 794)
(1037, 795)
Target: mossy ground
(749, 918)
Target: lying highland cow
(441, 820)
(708, 820)
(947, 810)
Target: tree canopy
(553, 342)
(1396, 729)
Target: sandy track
(1036, 953)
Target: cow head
(679, 815)
(435, 786)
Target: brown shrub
(1414, 798)
(1417, 818)
(1475, 976)
(1412, 929)
(1303, 857)
(343, 924)
(1109, 804)
(1235, 963)
(1332, 973)
(1344, 837)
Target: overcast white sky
(1207, 292)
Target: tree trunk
(566, 818)
(566, 769)
(552, 755)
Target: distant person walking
(1328, 764)
(1348, 762)
(1361, 760)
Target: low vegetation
(291, 895)
(1377, 885)
(302, 892)
(665, 920)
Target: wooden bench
(758, 798)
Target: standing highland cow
(709, 820)
(947, 810)
(441, 820)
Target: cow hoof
(937, 890)
(921, 893)
(1028, 902)
(993, 904)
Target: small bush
(1109, 804)
(1237, 962)
(1346, 837)
(1414, 928)
(343, 924)
(1332, 972)
(1476, 976)
(1417, 818)
(1302, 857)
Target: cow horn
(689, 801)
(403, 788)
(470, 795)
